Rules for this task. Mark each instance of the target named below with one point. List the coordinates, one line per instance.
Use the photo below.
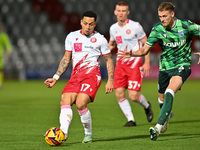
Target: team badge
(128, 31)
(76, 39)
(180, 33)
(93, 40)
(165, 35)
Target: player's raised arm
(199, 56)
(110, 69)
(64, 64)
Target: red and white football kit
(86, 51)
(127, 72)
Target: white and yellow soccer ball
(54, 136)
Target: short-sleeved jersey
(175, 43)
(127, 37)
(86, 50)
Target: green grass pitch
(28, 109)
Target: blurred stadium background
(37, 30)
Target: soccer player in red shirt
(84, 47)
(129, 35)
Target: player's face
(121, 12)
(166, 18)
(88, 24)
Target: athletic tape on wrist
(56, 76)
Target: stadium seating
(37, 29)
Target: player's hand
(109, 86)
(199, 56)
(145, 69)
(124, 54)
(50, 82)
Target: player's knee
(134, 95)
(120, 95)
(80, 105)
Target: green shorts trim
(165, 76)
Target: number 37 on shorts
(134, 85)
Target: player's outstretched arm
(64, 64)
(110, 69)
(141, 52)
(199, 56)
(146, 66)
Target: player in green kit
(174, 37)
(4, 45)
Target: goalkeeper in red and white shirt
(129, 35)
(84, 47)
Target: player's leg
(163, 82)
(161, 102)
(180, 74)
(85, 115)
(87, 92)
(66, 113)
(139, 98)
(135, 79)
(125, 106)
(120, 84)
(174, 85)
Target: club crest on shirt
(128, 31)
(93, 40)
(165, 35)
(180, 33)
(119, 39)
(78, 47)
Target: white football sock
(126, 109)
(143, 101)
(66, 115)
(86, 120)
(159, 127)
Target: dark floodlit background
(37, 30)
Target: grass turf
(28, 109)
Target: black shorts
(165, 76)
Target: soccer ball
(54, 136)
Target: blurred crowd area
(38, 28)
